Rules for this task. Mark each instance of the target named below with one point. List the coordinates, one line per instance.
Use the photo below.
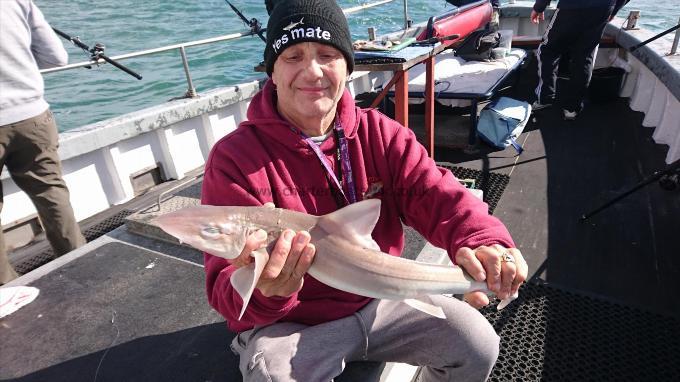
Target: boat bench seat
(464, 83)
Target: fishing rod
(255, 26)
(669, 179)
(96, 53)
(667, 31)
(365, 6)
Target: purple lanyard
(348, 179)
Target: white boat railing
(191, 92)
(147, 52)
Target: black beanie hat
(295, 21)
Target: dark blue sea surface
(83, 96)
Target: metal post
(407, 22)
(631, 20)
(191, 92)
(371, 34)
(674, 48)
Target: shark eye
(210, 232)
(228, 228)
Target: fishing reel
(670, 182)
(255, 25)
(96, 51)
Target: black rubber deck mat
(109, 224)
(118, 313)
(550, 334)
(493, 184)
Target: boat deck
(599, 306)
(625, 253)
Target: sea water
(83, 96)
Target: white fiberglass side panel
(631, 78)
(131, 156)
(184, 145)
(16, 204)
(657, 106)
(89, 179)
(668, 130)
(644, 87)
(223, 122)
(651, 96)
(91, 183)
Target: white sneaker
(536, 106)
(569, 115)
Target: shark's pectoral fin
(354, 222)
(424, 304)
(507, 301)
(245, 278)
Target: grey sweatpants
(463, 347)
(29, 149)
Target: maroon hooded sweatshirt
(266, 160)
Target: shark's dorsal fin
(245, 278)
(425, 305)
(354, 222)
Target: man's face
(310, 79)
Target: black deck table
(420, 54)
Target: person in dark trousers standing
(575, 28)
(28, 133)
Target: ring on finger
(507, 257)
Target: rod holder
(371, 34)
(407, 22)
(191, 91)
(631, 20)
(674, 48)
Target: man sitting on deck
(307, 147)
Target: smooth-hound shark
(347, 257)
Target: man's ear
(273, 78)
